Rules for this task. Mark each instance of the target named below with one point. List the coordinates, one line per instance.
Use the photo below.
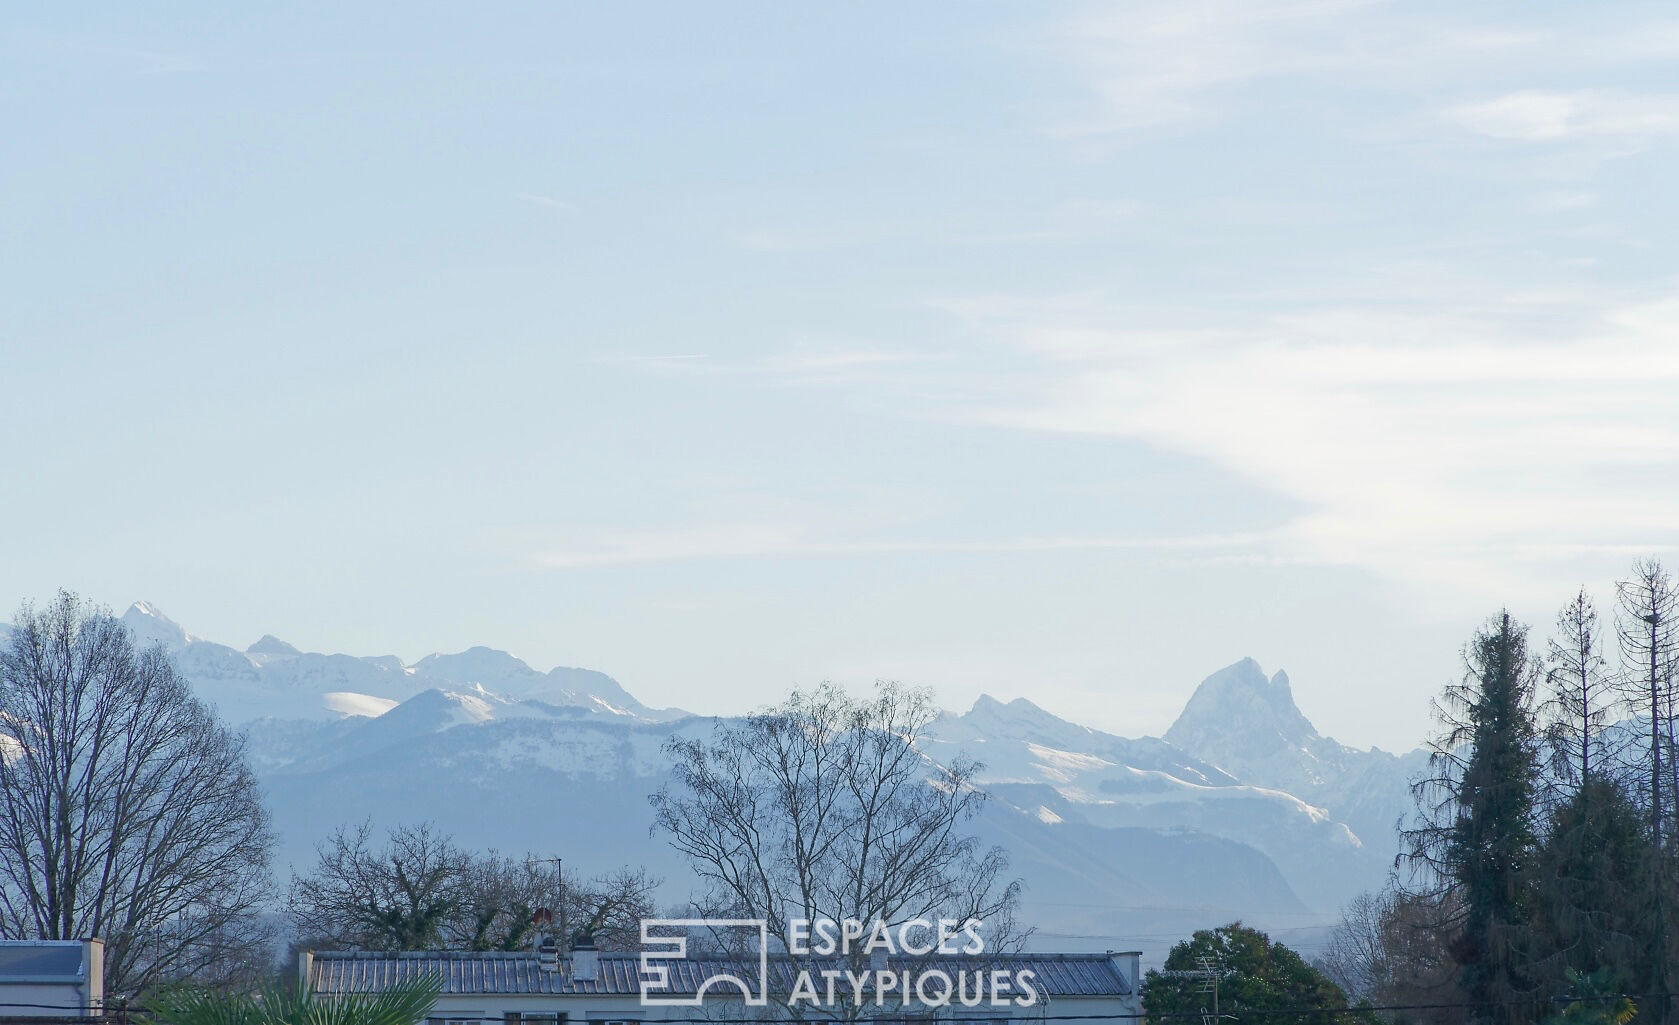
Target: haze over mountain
(1241, 810)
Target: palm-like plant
(1595, 1001)
(404, 1004)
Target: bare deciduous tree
(501, 895)
(826, 808)
(399, 897)
(610, 907)
(420, 890)
(129, 810)
(1391, 949)
(1356, 956)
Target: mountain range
(1241, 810)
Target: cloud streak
(753, 541)
(1430, 449)
(1153, 64)
(1539, 116)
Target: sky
(1063, 351)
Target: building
(52, 978)
(606, 988)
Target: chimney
(1130, 965)
(585, 959)
(93, 960)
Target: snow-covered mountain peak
(1020, 718)
(432, 711)
(1248, 725)
(478, 737)
(273, 680)
(272, 645)
(150, 626)
(1243, 787)
(1279, 685)
(478, 664)
(1240, 706)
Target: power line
(1163, 1015)
(1156, 1016)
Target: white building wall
(58, 998)
(493, 1007)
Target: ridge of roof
(632, 955)
(625, 973)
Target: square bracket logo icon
(655, 981)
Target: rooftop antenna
(548, 944)
(1207, 971)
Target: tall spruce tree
(1476, 830)
(1592, 917)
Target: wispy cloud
(1598, 114)
(804, 361)
(1166, 62)
(1149, 64)
(741, 541)
(678, 357)
(840, 358)
(1066, 220)
(1429, 448)
(1620, 44)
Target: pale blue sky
(1068, 351)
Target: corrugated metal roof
(1057, 975)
